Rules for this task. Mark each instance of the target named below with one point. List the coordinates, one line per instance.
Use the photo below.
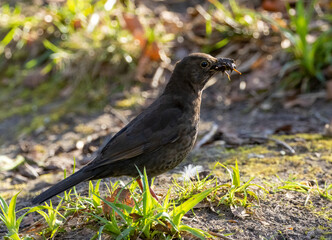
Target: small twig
(120, 116)
(219, 235)
(321, 118)
(33, 225)
(157, 75)
(207, 137)
(284, 144)
(277, 141)
(31, 169)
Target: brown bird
(161, 136)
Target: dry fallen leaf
(285, 129)
(106, 208)
(135, 216)
(259, 62)
(150, 50)
(232, 221)
(135, 27)
(163, 228)
(120, 195)
(274, 5)
(133, 24)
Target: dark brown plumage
(161, 136)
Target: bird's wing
(146, 133)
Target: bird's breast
(185, 128)
(187, 132)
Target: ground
(280, 214)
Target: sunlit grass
(74, 54)
(127, 213)
(309, 47)
(308, 187)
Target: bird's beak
(225, 64)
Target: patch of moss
(304, 136)
(295, 159)
(8, 194)
(314, 170)
(322, 144)
(314, 142)
(245, 150)
(327, 158)
(130, 101)
(84, 129)
(59, 128)
(265, 161)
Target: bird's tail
(65, 184)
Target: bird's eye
(204, 64)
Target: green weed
(236, 193)
(306, 187)
(129, 214)
(73, 53)
(190, 187)
(9, 217)
(150, 218)
(310, 48)
(50, 217)
(230, 21)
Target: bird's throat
(182, 87)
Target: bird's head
(198, 68)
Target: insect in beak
(226, 64)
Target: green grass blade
(195, 231)
(125, 234)
(168, 218)
(244, 186)
(14, 236)
(4, 208)
(95, 190)
(329, 187)
(11, 211)
(100, 232)
(179, 211)
(124, 207)
(166, 200)
(236, 181)
(114, 207)
(51, 46)
(111, 227)
(7, 39)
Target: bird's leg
(140, 184)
